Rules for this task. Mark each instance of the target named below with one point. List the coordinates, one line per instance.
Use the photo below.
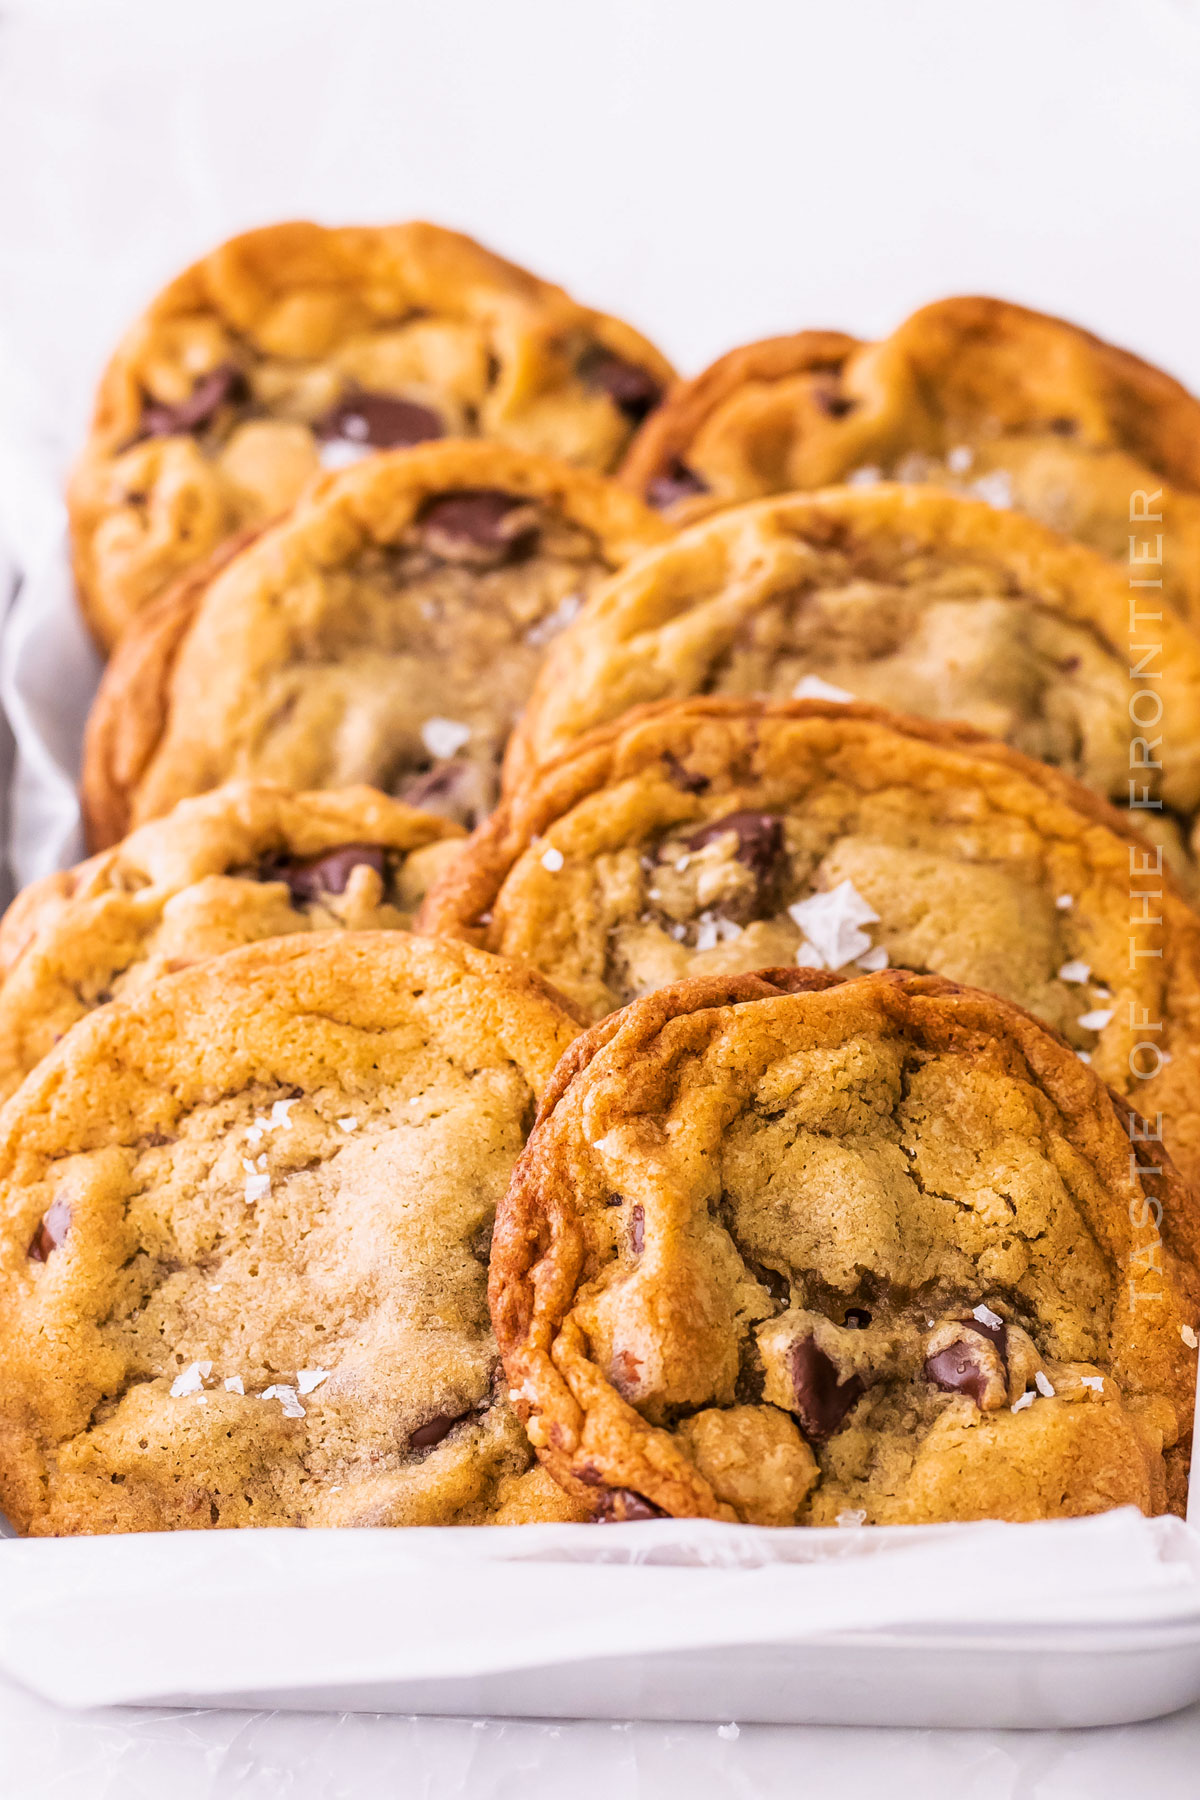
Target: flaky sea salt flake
(1093, 1381)
(308, 1379)
(1027, 1399)
(286, 1396)
(812, 687)
(552, 860)
(995, 488)
(831, 923)
(257, 1188)
(874, 960)
(1065, 902)
(1044, 1385)
(987, 1317)
(1074, 971)
(234, 1384)
(279, 1116)
(348, 1123)
(852, 1518)
(191, 1380)
(1189, 1337)
(443, 737)
(1097, 1020)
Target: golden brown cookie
(297, 347)
(905, 597)
(789, 1250)
(244, 1227)
(1019, 408)
(388, 631)
(251, 860)
(716, 836)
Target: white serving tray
(1081, 1622)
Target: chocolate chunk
(857, 1318)
(434, 1430)
(759, 840)
(678, 483)
(383, 421)
(637, 1230)
(225, 383)
(822, 1398)
(686, 779)
(329, 873)
(631, 388)
(52, 1229)
(621, 1506)
(958, 1370)
(995, 1334)
(481, 526)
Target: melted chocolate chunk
(958, 1370)
(308, 878)
(759, 840)
(383, 421)
(637, 1230)
(995, 1334)
(822, 1398)
(633, 389)
(618, 1506)
(479, 525)
(686, 779)
(52, 1229)
(435, 1429)
(678, 483)
(212, 391)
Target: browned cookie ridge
(793, 1250)
(244, 1228)
(905, 597)
(251, 860)
(719, 835)
(973, 393)
(388, 631)
(296, 348)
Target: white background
(715, 170)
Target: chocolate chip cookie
(906, 597)
(792, 1250)
(297, 348)
(976, 394)
(717, 835)
(244, 1228)
(251, 860)
(388, 631)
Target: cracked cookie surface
(389, 631)
(244, 1228)
(789, 1250)
(972, 393)
(296, 348)
(251, 860)
(717, 836)
(903, 597)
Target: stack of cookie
(638, 958)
